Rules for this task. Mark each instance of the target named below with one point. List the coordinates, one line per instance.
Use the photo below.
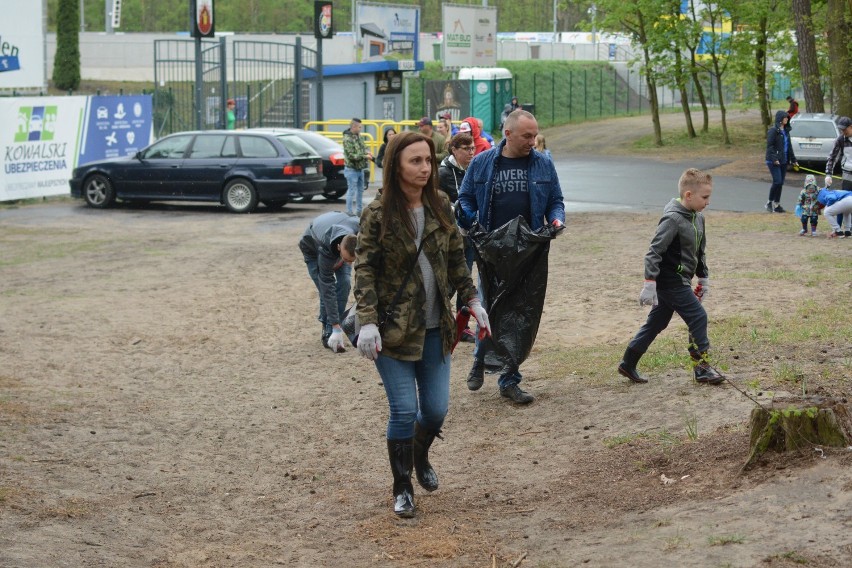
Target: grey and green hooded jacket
(677, 249)
(381, 264)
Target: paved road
(588, 184)
(615, 183)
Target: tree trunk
(760, 73)
(808, 63)
(726, 137)
(684, 96)
(699, 90)
(651, 80)
(799, 423)
(840, 56)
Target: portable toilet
(490, 89)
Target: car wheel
(98, 191)
(332, 197)
(240, 196)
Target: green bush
(66, 65)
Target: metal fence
(270, 82)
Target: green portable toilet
(490, 89)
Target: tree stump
(800, 422)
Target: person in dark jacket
(676, 254)
(501, 184)
(841, 154)
(409, 229)
(452, 168)
(779, 153)
(386, 137)
(328, 247)
(450, 176)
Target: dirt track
(165, 401)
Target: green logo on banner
(36, 124)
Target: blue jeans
(354, 189)
(417, 390)
(681, 300)
(778, 172)
(343, 277)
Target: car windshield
(296, 146)
(813, 129)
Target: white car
(812, 136)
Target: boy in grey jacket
(675, 256)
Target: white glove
(369, 341)
(335, 342)
(703, 288)
(648, 296)
(481, 316)
(828, 180)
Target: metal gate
(273, 84)
(175, 82)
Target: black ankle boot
(627, 367)
(426, 476)
(401, 458)
(476, 376)
(704, 372)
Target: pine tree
(66, 65)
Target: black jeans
(779, 173)
(681, 300)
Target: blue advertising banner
(9, 63)
(115, 126)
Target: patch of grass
(746, 136)
(691, 427)
(788, 373)
(23, 254)
(624, 439)
(793, 557)
(723, 540)
(673, 543)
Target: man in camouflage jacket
(355, 161)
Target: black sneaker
(847, 234)
(476, 376)
(779, 209)
(706, 374)
(516, 394)
(768, 207)
(324, 338)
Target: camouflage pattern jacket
(381, 265)
(354, 151)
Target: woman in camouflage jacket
(412, 348)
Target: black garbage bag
(512, 262)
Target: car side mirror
(138, 156)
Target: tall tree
(839, 28)
(719, 44)
(808, 62)
(637, 19)
(66, 63)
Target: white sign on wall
(38, 144)
(21, 45)
(470, 34)
(42, 139)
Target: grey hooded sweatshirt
(677, 250)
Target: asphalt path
(589, 184)
(618, 184)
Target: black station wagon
(237, 168)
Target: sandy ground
(165, 402)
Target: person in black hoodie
(779, 153)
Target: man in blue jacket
(328, 247)
(502, 183)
